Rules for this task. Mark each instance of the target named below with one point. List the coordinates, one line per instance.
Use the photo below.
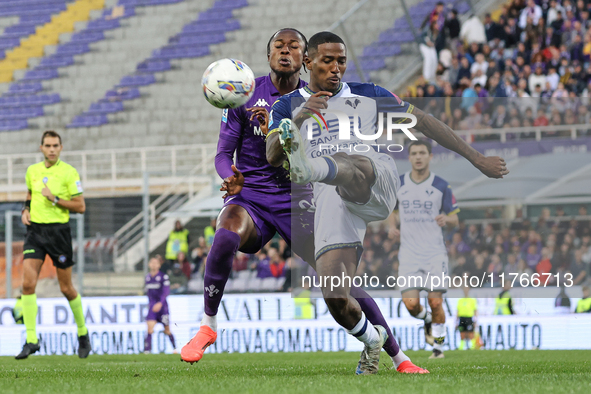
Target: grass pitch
(472, 372)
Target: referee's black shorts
(466, 324)
(53, 239)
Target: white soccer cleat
(300, 168)
(369, 362)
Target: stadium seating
(380, 53)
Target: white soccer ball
(228, 83)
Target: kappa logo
(212, 290)
(353, 104)
(261, 103)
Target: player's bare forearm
(76, 204)
(438, 131)
(453, 221)
(491, 166)
(275, 153)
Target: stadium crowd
(531, 67)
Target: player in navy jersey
(350, 189)
(157, 289)
(260, 199)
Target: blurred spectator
(584, 304)
(473, 31)
(209, 231)
(184, 264)
(578, 269)
(428, 51)
(178, 281)
(178, 241)
(271, 266)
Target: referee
(54, 191)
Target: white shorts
(342, 224)
(420, 273)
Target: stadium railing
(111, 172)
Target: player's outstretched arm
(491, 166)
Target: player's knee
(227, 241)
(435, 303)
(68, 290)
(29, 286)
(412, 305)
(336, 302)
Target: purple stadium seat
(33, 75)
(88, 120)
(86, 37)
(8, 43)
(200, 27)
(35, 19)
(121, 94)
(215, 15)
(103, 24)
(180, 53)
(20, 113)
(13, 125)
(198, 38)
(72, 49)
(137, 80)
(231, 4)
(151, 66)
(105, 107)
(25, 88)
(383, 50)
(55, 61)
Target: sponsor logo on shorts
(225, 116)
(28, 251)
(62, 258)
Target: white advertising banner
(265, 323)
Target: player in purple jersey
(350, 190)
(259, 196)
(157, 289)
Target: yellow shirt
(62, 180)
(467, 307)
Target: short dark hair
(50, 133)
(324, 37)
(286, 29)
(424, 143)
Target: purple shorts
(290, 215)
(161, 317)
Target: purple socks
(374, 315)
(218, 267)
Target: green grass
(473, 372)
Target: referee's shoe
(28, 349)
(84, 347)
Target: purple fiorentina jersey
(241, 135)
(157, 288)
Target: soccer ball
(228, 83)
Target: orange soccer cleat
(193, 350)
(409, 367)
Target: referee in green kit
(54, 192)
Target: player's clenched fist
(492, 166)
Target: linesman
(54, 190)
